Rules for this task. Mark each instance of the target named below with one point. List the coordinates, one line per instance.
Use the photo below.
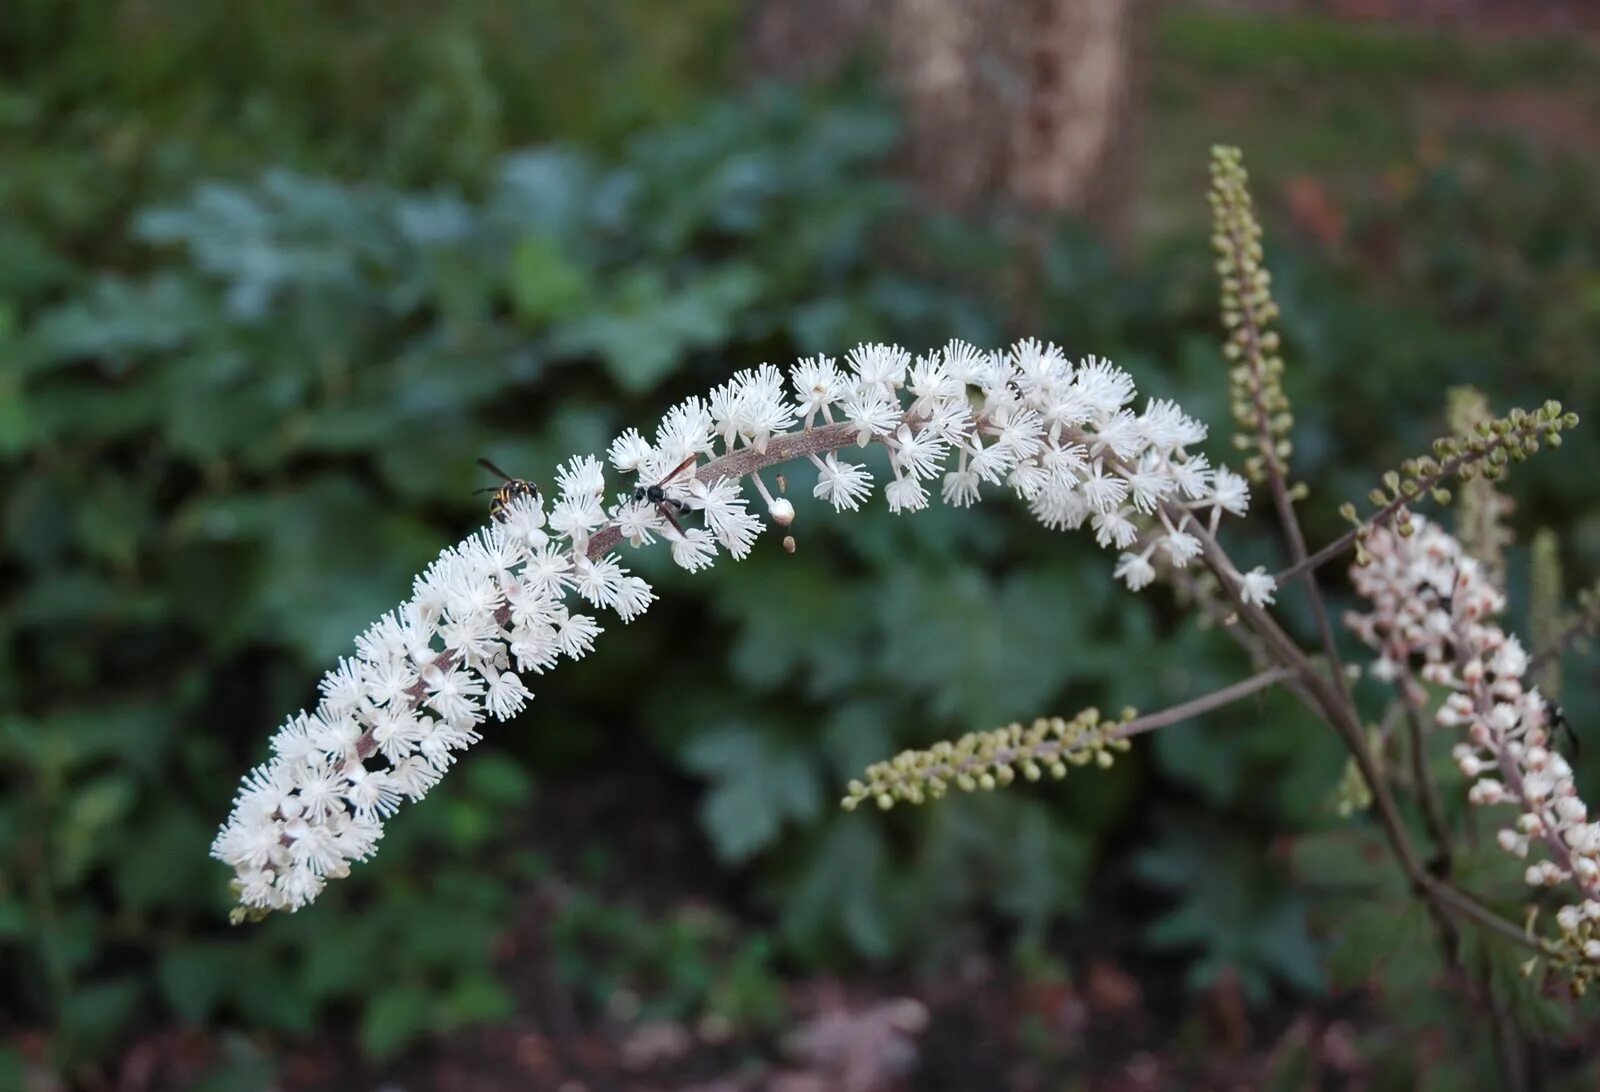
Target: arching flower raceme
(512, 600)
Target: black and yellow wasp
(510, 490)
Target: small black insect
(1560, 727)
(657, 494)
(504, 494)
(1447, 599)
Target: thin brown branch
(1194, 707)
(1411, 700)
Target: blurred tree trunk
(1027, 100)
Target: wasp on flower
(510, 490)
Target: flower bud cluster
(1484, 451)
(513, 599)
(989, 760)
(1434, 611)
(1260, 407)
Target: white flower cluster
(510, 600)
(1060, 435)
(424, 677)
(1434, 612)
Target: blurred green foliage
(690, 965)
(256, 330)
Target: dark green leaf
(758, 784)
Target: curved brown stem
(1411, 700)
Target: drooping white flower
(1181, 548)
(905, 495)
(1060, 508)
(1230, 492)
(548, 571)
(843, 485)
(599, 580)
(723, 508)
(1135, 570)
(696, 549)
(960, 488)
(1027, 478)
(633, 598)
(1256, 587)
(1114, 528)
(1103, 490)
(575, 633)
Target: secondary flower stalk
(1433, 605)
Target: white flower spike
(511, 600)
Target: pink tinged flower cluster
(1434, 613)
(515, 598)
